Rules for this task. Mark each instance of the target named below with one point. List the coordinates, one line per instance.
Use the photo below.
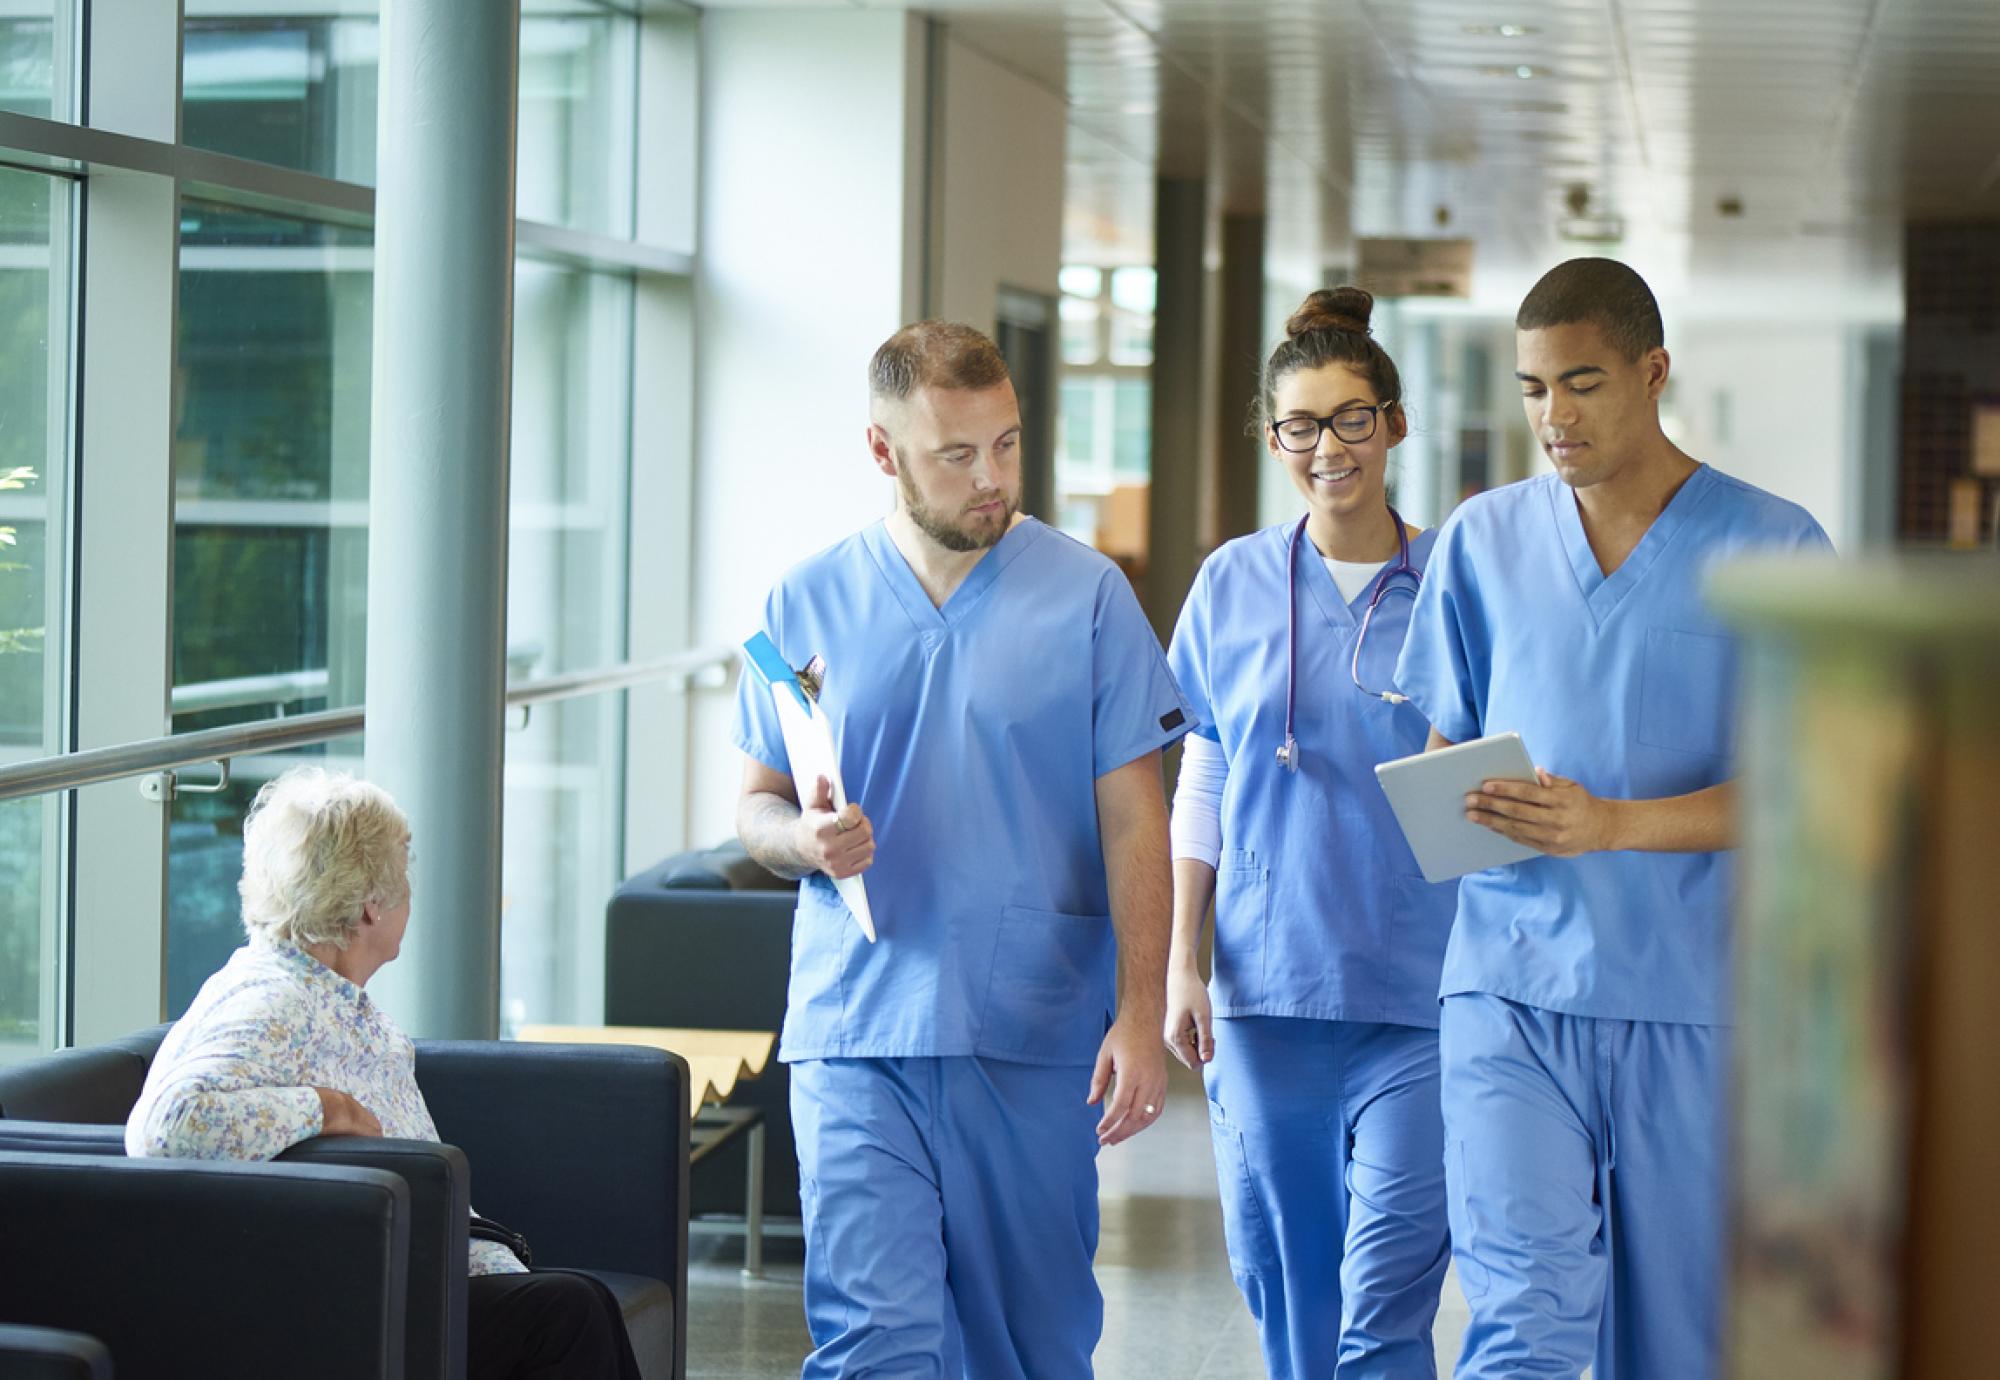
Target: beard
(960, 533)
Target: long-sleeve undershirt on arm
(1196, 824)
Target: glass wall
(270, 466)
(296, 86)
(268, 452)
(33, 57)
(35, 328)
(566, 563)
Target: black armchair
(437, 1179)
(582, 1149)
(48, 1353)
(183, 1267)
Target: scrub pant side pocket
(1245, 1228)
(827, 1313)
(1466, 1236)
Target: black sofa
(703, 941)
(583, 1149)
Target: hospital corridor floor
(1171, 1311)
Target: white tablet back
(1428, 792)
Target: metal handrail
(241, 692)
(69, 770)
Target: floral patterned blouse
(235, 1078)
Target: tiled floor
(1171, 1311)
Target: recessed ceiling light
(1524, 71)
(1501, 30)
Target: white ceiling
(1830, 121)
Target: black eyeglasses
(1352, 425)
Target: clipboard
(1428, 792)
(809, 744)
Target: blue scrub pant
(1330, 1154)
(950, 1215)
(1584, 1158)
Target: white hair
(319, 845)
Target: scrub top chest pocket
(1684, 692)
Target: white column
(437, 552)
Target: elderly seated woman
(283, 1044)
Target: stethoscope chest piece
(1288, 755)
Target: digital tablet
(1428, 792)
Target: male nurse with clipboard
(1582, 1040)
(1000, 704)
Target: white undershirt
(1351, 577)
(1196, 825)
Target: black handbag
(486, 1229)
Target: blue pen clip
(774, 670)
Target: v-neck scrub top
(1623, 683)
(1320, 909)
(972, 735)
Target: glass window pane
(579, 74)
(299, 89)
(1076, 425)
(1079, 331)
(1131, 339)
(34, 64)
(270, 465)
(1079, 280)
(1132, 289)
(1132, 429)
(35, 392)
(566, 564)
(293, 89)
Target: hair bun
(1333, 309)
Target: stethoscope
(1288, 755)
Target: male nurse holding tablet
(1583, 1041)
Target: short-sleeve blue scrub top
(1623, 683)
(972, 735)
(1320, 909)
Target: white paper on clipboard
(811, 749)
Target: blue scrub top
(973, 736)
(1624, 684)
(1320, 908)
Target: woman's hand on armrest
(341, 1115)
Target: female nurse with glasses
(1318, 1036)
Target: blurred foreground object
(1868, 968)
